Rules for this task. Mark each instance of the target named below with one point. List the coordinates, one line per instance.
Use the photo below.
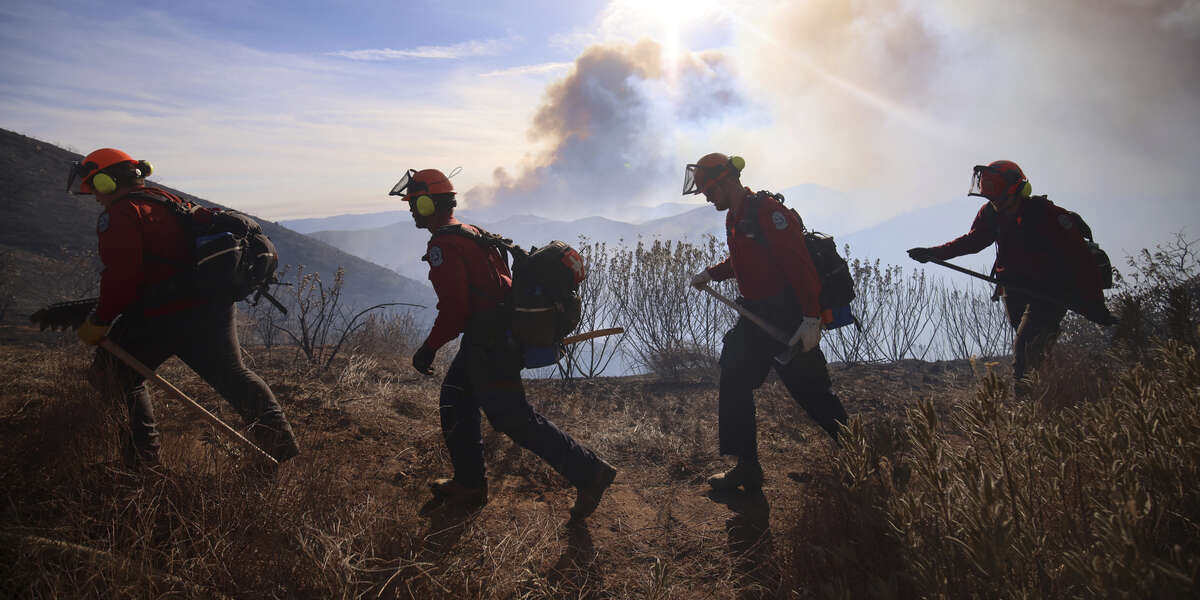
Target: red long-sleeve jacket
(764, 270)
(142, 243)
(1039, 245)
(467, 278)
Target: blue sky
(570, 109)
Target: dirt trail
(376, 442)
(718, 544)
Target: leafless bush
(663, 314)
(894, 312)
(265, 321)
(910, 324)
(590, 358)
(973, 325)
(1158, 295)
(854, 343)
(318, 324)
(386, 333)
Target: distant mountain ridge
(48, 234)
(1119, 229)
(400, 245)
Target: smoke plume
(605, 132)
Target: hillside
(48, 241)
(919, 500)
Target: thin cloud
(537, 69)
(467, 49)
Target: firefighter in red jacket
(472, 284)
(777, 281)
(144, 249)
(1039, 248)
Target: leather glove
(93, 330)
(921, 255)
(422, 361)
(810, 333)
(701, 279)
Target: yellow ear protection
(1024, 190)
(425, 205)
(106, 184)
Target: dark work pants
(205, 339)
(490, 379)
(746, 358)
(1037, 326)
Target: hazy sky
(569, 109)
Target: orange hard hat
(999, 180)
(711, 168)
(426, 182)
(94, 163)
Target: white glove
(701, 279)
(810, 333)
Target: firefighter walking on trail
(147, 255)
(1041, 248)
(777, 281)
(474, 288)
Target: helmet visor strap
(401, 186)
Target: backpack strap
(488, 241)
(180, 207)
(750, 224)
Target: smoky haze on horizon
(891, 101)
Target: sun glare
(663, 21)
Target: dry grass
(944, 488)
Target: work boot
(747, 474)
(277, 441)
(452, 491)
(587, 496)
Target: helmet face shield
(988, 182)
(998, 181)
(401, 187)
(689, 180)
(711, 168)
(697, 179)
(81, 171)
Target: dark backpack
(1100, 258)
(837, 284)
(545, 301)
(1103, 264)
(231, 256)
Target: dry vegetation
(944, 486)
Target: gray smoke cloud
(1092, 97)
(606, 132)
